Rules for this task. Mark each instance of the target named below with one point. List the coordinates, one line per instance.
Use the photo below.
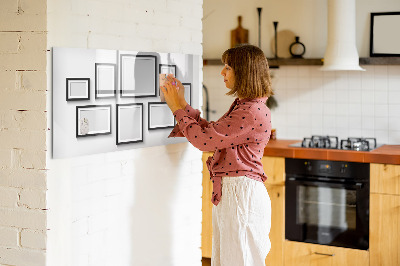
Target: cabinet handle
(325, 254)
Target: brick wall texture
(23, 44)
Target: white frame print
(100, 113)
(132, 126)
(74, 93)
(132, 71)
(105, 80)
(167, 69)
(188, 92)
(157, 110)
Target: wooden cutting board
(239, 35)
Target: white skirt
(241, 223)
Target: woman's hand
(181, 92)
(172, 94)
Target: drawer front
(297, 253)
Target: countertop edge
(386, 154)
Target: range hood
(341, 51)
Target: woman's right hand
(181, 91)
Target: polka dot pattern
(238, 139)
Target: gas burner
(332, 142)
(327, 142)
(358, 144)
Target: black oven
(327, 202)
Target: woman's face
(229, 76)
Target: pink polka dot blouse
(238, 139)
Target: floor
(206, 261)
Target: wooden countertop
(389, 154)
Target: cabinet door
(304, 254)
(206, 225)
(277, 233)
(384, 229)
(274, 168)
(385, 178)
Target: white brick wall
(134, 207)
(23, 128)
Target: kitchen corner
(383, 195)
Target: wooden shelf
(273, 63)
(380, 61)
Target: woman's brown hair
(250, 66)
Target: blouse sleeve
(229, 131)
(193, 113)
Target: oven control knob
(343, 168)
(308, 166)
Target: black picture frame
(378, 21)
(70, 81)
(120, 141)
(109, 93)
(152, 112)
(123, 89)
(79, 128)
(161, 68)
(188, 93)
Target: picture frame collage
(138, 74)
(108, 100)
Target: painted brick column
(23, 42)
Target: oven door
(327, 213)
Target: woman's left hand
(171, 94)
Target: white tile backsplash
(380, 71)
(394, 110)
(367, 96)
(394, 97)
(394, 83)
(367, 109)
(381, 97)
(381, 83)
(346, 103)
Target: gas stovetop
(332, 142)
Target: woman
(242, 209)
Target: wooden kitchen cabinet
(274, 168)
(206, 225)
(277, 233)
(305, 254)
(384, 236)
(385, 178)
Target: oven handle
(357, 185)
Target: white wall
(344, 103)
(134, 207)
(23, 133)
